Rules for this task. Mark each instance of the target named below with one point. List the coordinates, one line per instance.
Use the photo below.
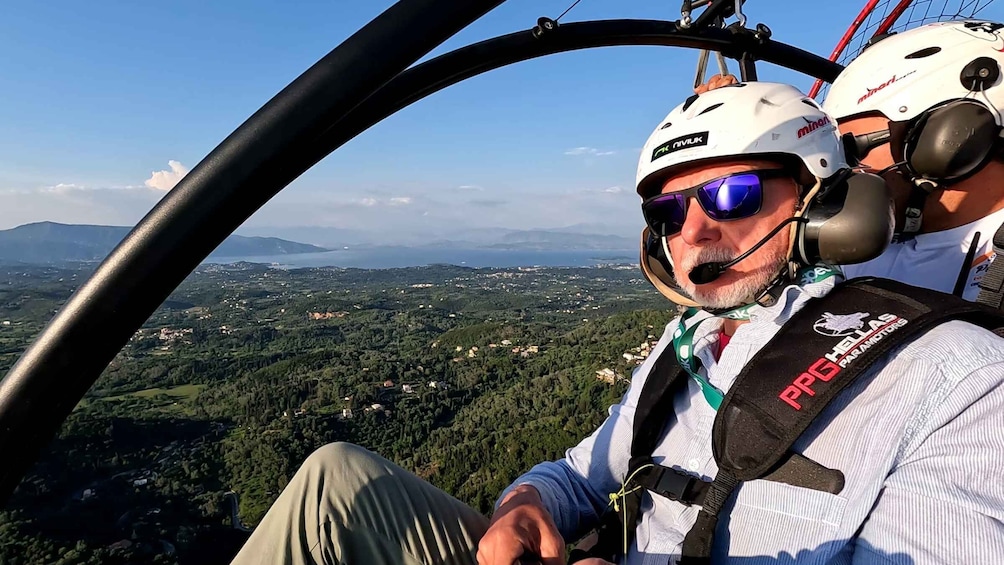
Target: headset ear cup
(952, 141)
(853, 223)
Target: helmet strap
(802, 208)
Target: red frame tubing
(890, 20)
(842, 44)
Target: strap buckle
(678, 486)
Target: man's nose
(698, 228)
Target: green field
(183, 392)
(188, 392)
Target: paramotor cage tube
(448, 69)
(310, 118)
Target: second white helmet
(906, 74)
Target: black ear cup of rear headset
(951, 141)
(852, 219)
(954, 140)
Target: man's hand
(716, 81)
(521, 527)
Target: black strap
(655, 403)
(800, 471)
(610, 540)
(782, 390)
(652, 415)
(701, 537)
(992, 284)
(913, 216)
(962, 281)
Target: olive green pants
(347, 505)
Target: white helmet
(775, 122)
(752, 119)
(903, 75)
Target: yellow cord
(616, 496)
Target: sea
(397, 257)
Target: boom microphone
(707, 272)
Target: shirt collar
(791, 299)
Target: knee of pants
(346, 479)
(336, 451)
(342, 462)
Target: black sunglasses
(730, 197)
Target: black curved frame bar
(225, 188)
(448, 69)
(310, 118)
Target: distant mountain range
(49, 242)
(547, 240)
(580, 236)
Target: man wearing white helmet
(720, 178)
(924, 106)
(747, 200)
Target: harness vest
(775, 398)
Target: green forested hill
(476, 375)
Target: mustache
(705, 255)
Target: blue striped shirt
(919, 438)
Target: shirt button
(694, 464)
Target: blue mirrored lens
(732, 198)
(665, 214)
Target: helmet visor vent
(927, 52)
(710, 108)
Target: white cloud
(589, 151)
(68, 188)
(165, 180)
(65, 187)
(613, 190)
(470, 187)
(370, 202)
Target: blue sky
(97, 97)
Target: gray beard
(741, 292)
